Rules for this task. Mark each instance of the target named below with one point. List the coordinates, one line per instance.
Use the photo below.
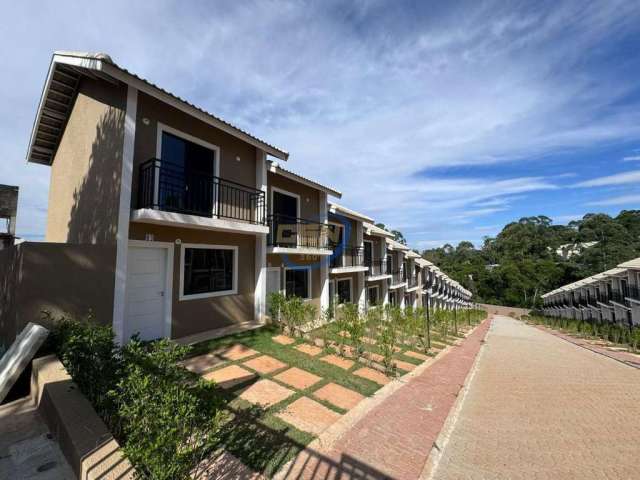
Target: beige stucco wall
(84, 191)
(237, 158)
(200, 315)
(63, 279)
(292, 261)
(309, 197)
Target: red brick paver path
(394, 439)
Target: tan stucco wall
(200, 315)
(64, 279)
(85, 175)
(292, 261)
(309, 197)
(242, 171)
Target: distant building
(8, 212)
(492, 266)
(569, 250)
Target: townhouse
(197, 221)
(612, 296)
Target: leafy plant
(276, 300)
(354, 325)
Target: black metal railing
(376, 267)
(634, 292)
(397, 277)
(618, 297)
(169, 187)
(346, 256)
(292, 232)
(412, 281)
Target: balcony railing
(345, 256)
(412, 281)
(376, 268)
(292, 232)
(397, 277)
(169, 187)
(634, 292)
(618, 297)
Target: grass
(255, 435)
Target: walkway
(539, 407)
(395, 437)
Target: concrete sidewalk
(395, 437)
(540, 408)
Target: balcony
(167, 194)
(412, 281)
(297, 235)
(633, 293)
(377, 268)
(397, 278)
(348, 258)
(618, 297)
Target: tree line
(532, 256)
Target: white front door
(273, 283)
(145, 293)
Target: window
(372, 296)
(368, 253)
(208, 270)
(392, 299)
(298, 282)
(344, 290)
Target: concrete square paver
(406, 366)
(266, 392)
(376, 357)
(308, 415)
(265, 364)
(373, 375)
(338, 361)
(202, 363)
(309, 349)
(236, 352)
(418, 355)
(283, 340)
(338, 395)
(297, 378)
(228, 377)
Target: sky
(444, 120)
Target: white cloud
(631, 200)
(631, 158)
(617, 179)
(363, 97)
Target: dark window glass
(285, 205)
(297, 283)
(344, 291)
(207, 270)
(368, 253)
(372, 296)
(392, 298)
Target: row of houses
(612, 297)
(198, 220)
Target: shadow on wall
(94, 214)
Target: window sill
(199, 296)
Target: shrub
(276, 301)
(354, 325)
(295, 312)
(165, 417)
(169, 421)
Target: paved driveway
(539, 407)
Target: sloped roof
(371, 229)
(61, 86)
(334, 207)
(634, 263)
(278, 169)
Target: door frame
(168, 281)
(279, 270)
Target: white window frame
(346, 279)
(204, 246)
(377, 289)
(190, 138)
(308, 269)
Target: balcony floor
(348, 269)
(299, 251)
(173, 219)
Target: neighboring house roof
(371, 229)
(395, 245)
(335, 208)
(635, 264)
(423, 263)
(412, 254)
(61, 87)
(279, 170)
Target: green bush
(164, 417)
(169, 421)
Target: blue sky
(443, 120)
